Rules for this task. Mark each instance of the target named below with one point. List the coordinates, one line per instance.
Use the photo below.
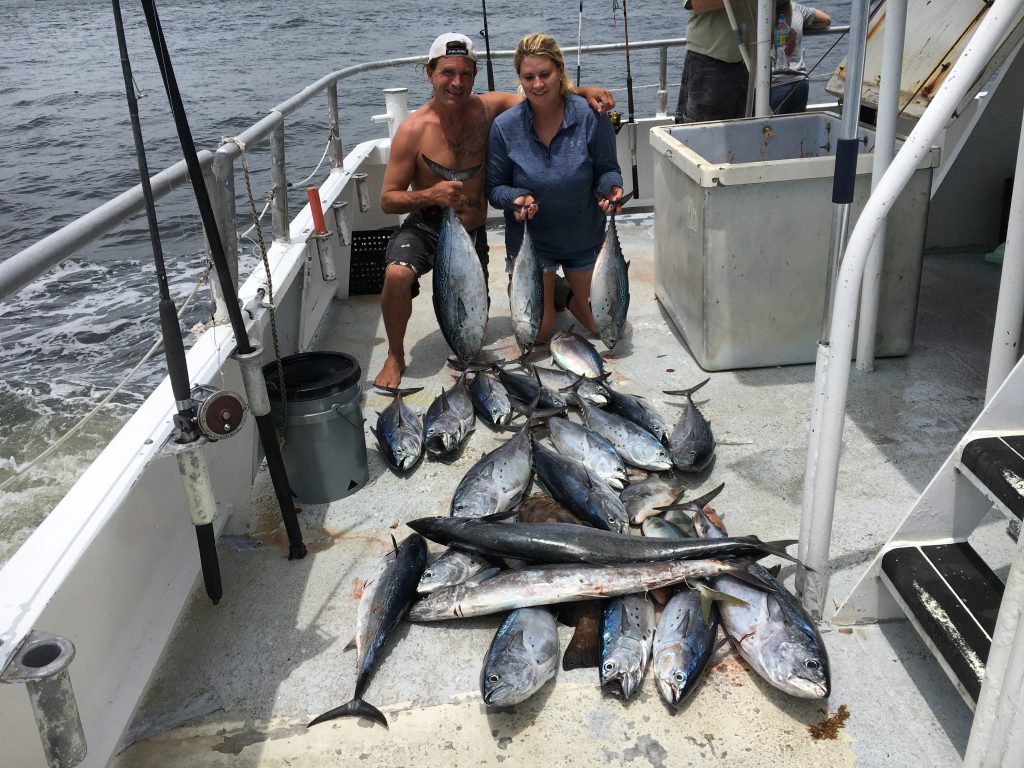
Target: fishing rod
(200, 497)
(579, 45)
(264, 422)
(487, 47)
(629, 92)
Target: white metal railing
(832, 373)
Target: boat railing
(219, 166)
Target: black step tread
(954, 596)
(990, 459)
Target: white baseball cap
(451, 44)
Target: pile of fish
(611, 468)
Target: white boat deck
(239, 681)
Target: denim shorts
(571, 264)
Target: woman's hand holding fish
(611, 201)
(525, 207)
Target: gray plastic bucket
(324, 449)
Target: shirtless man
(451, 129)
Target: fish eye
(812, 664)
(493, 679)
(680, 677)
(693, 453)
(609, 666)
(428, 574)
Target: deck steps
(952, 598)
(996, 466)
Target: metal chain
(266, 268)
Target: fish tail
(397, 391)
(354, 708)
(582, 651)
(709, 596)
(450, 174)
(740, 566)
(778, 548)
(686, 392)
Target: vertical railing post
(661, 108)
(337, 153)
(220, 184)
(279, 178)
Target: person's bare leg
(547, 322)
(396, 308)
(579, 304)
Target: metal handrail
(40, 257)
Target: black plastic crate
(366, 272)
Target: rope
(330, 135)
(20, 471)
(266, 265)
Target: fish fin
(774, 570)
(686, 392)
(709, 595)
(399, 391)
(355, 708)
(778, 548)
(451, 174)
(394, 543)
(753, 580)
(708, 497)
(497, 516)
(374, 433)
(351, 645)
(719, 645)
(582, 651)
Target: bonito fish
(522, 657)
(490, 400)
(399, 433)
(386, 597)
(576, 355)
(772, 631)
(691, 443)
(460, 288)
(551, 584)
(609, 288)
(526, 295)
(627, 635)
(497, 482)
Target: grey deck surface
(241, 680)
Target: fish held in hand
(460, 288)
(609, 288)
(526, 295)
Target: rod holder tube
(661, 108)
(342, 221)
(325, 252)
(362, 191)
(253, 380)
(42, 665)
(202, 506)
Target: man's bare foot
(390, 375)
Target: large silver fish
(577, 355)
(399, 433)
(609, 288)
(627, 635)
(460, 288)
(522, 657)
(550, 584)
(497, 482)
(632, 442)
(442, 428)
(691, 443)
(385, 600)
(583, 444)
(526, 295)
(772, 631)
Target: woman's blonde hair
(539, 44)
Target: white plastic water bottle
(780, 39)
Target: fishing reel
(219, 413)
(616, 118)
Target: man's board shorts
(414, 245)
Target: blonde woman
(551, 159)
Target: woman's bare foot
(390, 375)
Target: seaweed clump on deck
(829, 727)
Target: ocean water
(65, 147)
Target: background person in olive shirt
(714, 84)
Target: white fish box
(744, 215)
